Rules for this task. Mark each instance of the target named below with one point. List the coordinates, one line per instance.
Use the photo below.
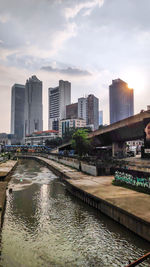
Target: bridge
(118, 133)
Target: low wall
(89, 169)
(74, 163)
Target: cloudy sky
(88, 42)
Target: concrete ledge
(5, 176)
(131, 222)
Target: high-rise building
(72, 111)
(120, 101)
(82, 109)
(93, 111)
(17, 111)
(101, 117)
(88, 110)
(33, 106)
(59, 97)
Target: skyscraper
(33, 106)
(101, 117)
(88, 108)
(59, 97)
(93, 111)
(82, 109)
(17, 111)
(120, 101)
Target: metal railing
(140, 260)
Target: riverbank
(125, 206)
(6, 169)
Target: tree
(80, 142)
(67, 136)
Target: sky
(87, 42)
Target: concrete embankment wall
(6, 170)
(75, 163)
(90, 169)
(133, 223)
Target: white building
(82, 108)
(66, 124)
(39, 138)
(59, 97)
(33, 106)
(88, 109)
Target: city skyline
(77, 41)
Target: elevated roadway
(118, 133)
(128, 129)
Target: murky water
(45, 226)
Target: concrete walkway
(6, 167)
(137, 204)
(5, 170)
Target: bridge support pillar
(118, 149)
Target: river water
(45, 226)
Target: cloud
(68, 71)
(87, 6)
(37, 27)
(4, 18)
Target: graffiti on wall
(130, 179)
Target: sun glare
(135, 80)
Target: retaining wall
(74, 163)
(90, 169)
(133, 223)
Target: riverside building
(67, 124)
(40, 138)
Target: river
(46, 226)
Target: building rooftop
(42, 132)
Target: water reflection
(45, 226)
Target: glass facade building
(121, 103)
(17, 111)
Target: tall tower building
(82, 109)
(121, 103)
(59, 97)
(88, 108)
(93, 111)
(17, 111)
(33, 106)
